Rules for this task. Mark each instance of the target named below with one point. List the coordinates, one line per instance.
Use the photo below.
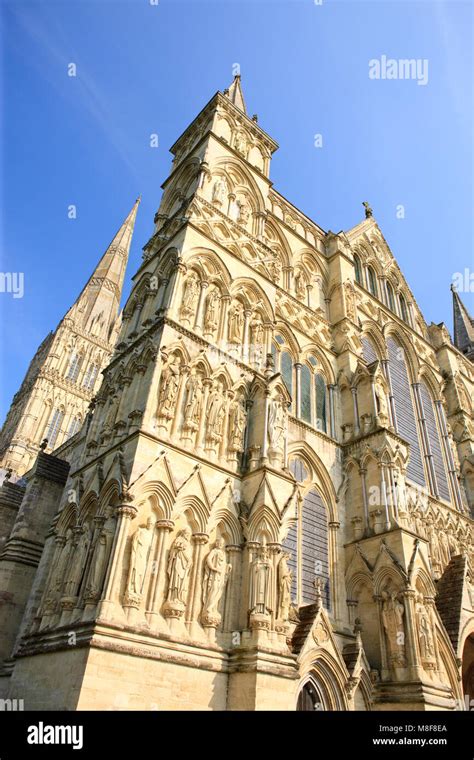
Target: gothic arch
(252, 294)
(195, 509)
(237, 174)
(312, 349)
(319, 476)
(231, 523)
(207, 263)
(411, 359)
(323, 671)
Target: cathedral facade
(268, 504)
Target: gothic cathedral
(253, 488)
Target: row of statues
(393, 620)
(210, 410)
(268, 595)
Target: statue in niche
(169, 388)
(237, 419)
(300, 287)
(277, 417)
(139, 551)
(193, 401)
(210, 317)
(425, 631)
(216, 573)
(101, 555)
(275, 269)
(244, 212)
(215, 413)
(256, 333)
(285, 577)
(236, 323)
(392, 618)
(179, 567)
(240, 143)
(380, 398)
(350, 299)
(261, 583)
(56, 580)
(190, 296)
(220, 190)
(78, 563)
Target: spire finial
(368, 210)
(235, 93)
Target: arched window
(320, 392)
(74, 367)
(434, 454)
(368, 351)
(372, 281)
(404, 409)
(74, 427)
(306, 394)
(286, 369)
(403, 308)
(90, 376)
(308, 544)
(54, 427)
(391, 298)
(357, 269)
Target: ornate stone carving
(425, 634)
(237, 418)
(190, 297)
(236, 323)
(215, 413)
(285, 577)
(392, 619)
(216, 573)
(178, 571)
(212, 311)
(193, 401)
(169, 386)
(261, 584)
(100, 557)
(220, 191)
(78, 562)
(139, 552)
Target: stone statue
(300, 287)
(276, 422)
(236, 324)
(261, 584)
(392, 618)
(244, 212)
(101, 556)
(193, 401)
(190, 295)
(220, 191)
(56, 580)
(256, 333)
(78, 562)
(285, 577)
(425, 632)
(368, 210)
(210, 317)
(141, 543)
(169, 386)
(179, 568)
(237, 425)
(240, 142)
(216, 573)
(215, 414)
(381, 399)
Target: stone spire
(97, 306)
(66, 371)
(235, 94)
(463, 327)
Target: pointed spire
(235, 94)
(463, 326)
(99, 300)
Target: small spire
(235, 94)
(463, 326)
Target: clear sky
(146, 68)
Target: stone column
(200, 306)
(268, 334)
(383, 490)
(385, 673)
(230, 620)
(181, 269)
(356, 411)
(332, 410)
(365, 504)
(245, 341)
(111, 590)
(163, 284)
(298, 389)
(192, 610)
(207, 383)
(411, 643)
(222, 332)
(158, 582)
(391, 399)
(335, 584)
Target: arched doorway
(468, 672)
(309, 698)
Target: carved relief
(285, 577)
(178, 572)
(261, 584)
(139, 552)
(215, 576)
(393, 611)
(169, 386)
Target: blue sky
(144, 69)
